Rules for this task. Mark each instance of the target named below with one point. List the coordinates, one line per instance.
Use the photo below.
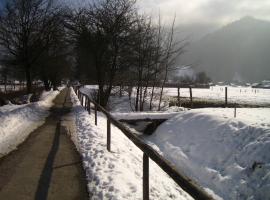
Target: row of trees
(121, 47)
(33, 40)
(108, 42)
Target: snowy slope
(218, 150)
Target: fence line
(180, 178)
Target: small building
(234, 84)
(265, 84)
(220, 83)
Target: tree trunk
(54, 86)
(145, 94)
(161, 92)
(5, 83)
(152, 94)
(29, 84)
(46, 84)
(103, 96)
(137, 98)
(130, 88)
(120, 92)
(141, 98)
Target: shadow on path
(45, 178)
(47, 164)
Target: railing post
(145, 177)
(95, 115)
(82, 100)
(89, 112)
(178, 96)
(108, 135)
(226, 97)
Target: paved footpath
(46, 165)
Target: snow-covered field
(209, 145)
(244, 94)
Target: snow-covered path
(46, 161)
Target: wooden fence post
(88, 106)
(82, 100)
(108, 135)
(95, 115)
(226, 102)
(178, 92)
(191, 101)
(145, 177)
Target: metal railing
(180, 178)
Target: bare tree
(54, 63)
(117, 46)
(159, 51)
(142, 57)
(26, 32)
(173, 49)
(104, 31)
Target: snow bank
(144, 115)
(17, 121)
(219, 151)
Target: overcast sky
(199, 17)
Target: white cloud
(199, 17)
(219, 12)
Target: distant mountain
(239, 52)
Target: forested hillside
(239, 52)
